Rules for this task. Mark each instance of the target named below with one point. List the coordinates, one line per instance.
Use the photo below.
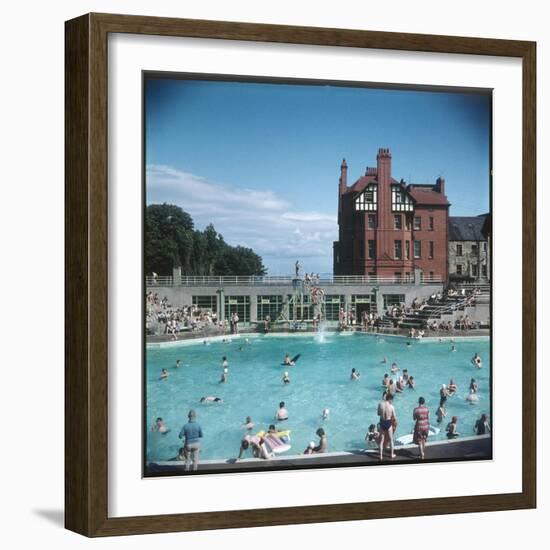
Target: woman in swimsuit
(422, 426)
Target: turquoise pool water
(320, 379)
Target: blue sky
(262, 161)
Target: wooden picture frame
(86, 279)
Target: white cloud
(262, 220)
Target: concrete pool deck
(464, 448)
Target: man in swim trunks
(386, 412)
(252, 442)
(323, 442)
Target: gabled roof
(363, 181)
(467, 228)
(426, 195)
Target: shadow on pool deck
(468, 448)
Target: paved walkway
(468, 448)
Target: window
(459, 269)
(407, 250)
(484, 247)
(206, 302)
(484, 270)
(431, 250)
(474, 270)
(407, 223)
(474, 249)
(397, 250)
(269, 305)
(393, 300)
(239, 305)
(431, 275)
(372, 250)
(459, 250)
(417, 249)
(431, 223)
(397, 221)
(400, 200)
(367, 199)
(417, 223)
(371, 221)
(397, 276)
(333, 303)
(408, 276)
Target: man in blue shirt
(192, 432)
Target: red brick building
(387, 228)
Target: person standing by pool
(191, 433)
(386, 412)
(282, 413)
(421, 415)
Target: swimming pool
(320, 379)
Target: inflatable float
(407, 439)
(293, 361)
(277, 443)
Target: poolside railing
(273, 280)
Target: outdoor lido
(324, 327)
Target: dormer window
(400, 200)
(367, 200)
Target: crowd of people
(379, 437)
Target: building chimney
(343, 177)
(440, 185)
(383, 166)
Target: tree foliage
(171, 240)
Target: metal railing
(273, 280)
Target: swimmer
(355, 374)
(452, 428)
(473, 385)
(373, 437)
(482, 426)
(223, 379)
(325, 413)
(405, 375)
(252, 442)
(399, 385)
(441, 413)
(408, 344)
(160, 426)
(225, 363)
(282, 413)
(385, 380)
(288, 361)
(443, 392)
(205, 343)
(451, 388)
(411, 382)
(476, 361)
(211, 399)
(394, 367)
(384, 361)
(392, 388)
(453, 348)
(472, 398)
(178, 364)
(248, 424)
(164, 374)
(286, 379)
(322, 447)
(247, 341)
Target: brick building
(469, 250)
(389, 229)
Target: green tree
(171, 240)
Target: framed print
(294, 260)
